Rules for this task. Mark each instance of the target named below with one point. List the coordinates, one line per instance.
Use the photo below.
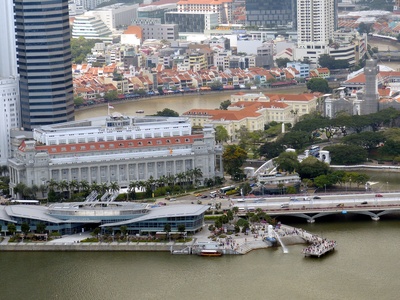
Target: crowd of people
(320, 247)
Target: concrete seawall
(105, 247)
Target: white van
(285, 205)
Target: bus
(223, 190)
(25, 202)
(314, 150)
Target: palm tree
(35, 189)
(95, 187)
(141, 185)
(73, 186)
(189, 176)
(150, 186)
(64, 187)
(170, 180)
(43, 188)
(114, 187)
(197, 173)
(132, 190)
(104, 188)
(161, 181)
(84, 186)
(180, 177)
(19, 189)
(27, 193)
(52, 184)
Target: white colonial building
(115, 149)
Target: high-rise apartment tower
(9, 90)
(44, 61)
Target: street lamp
(325, 188)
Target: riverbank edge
(367, 167)
(129, 247)
(85, 247)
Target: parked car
(316, 197)
(378, 195)
(204, 196)
(364, 202)
(294, 199)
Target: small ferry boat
(205, 252)
(140, 111)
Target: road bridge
(373, 205)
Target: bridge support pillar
(311, 221)
(375, 218)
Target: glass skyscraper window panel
(44, 56)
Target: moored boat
(205, 252)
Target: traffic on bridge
(312, 207)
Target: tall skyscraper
(44, 61)
(315, 27)
(271, 13)
(9, 90)
(315, 21)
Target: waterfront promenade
(230, 244)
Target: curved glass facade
(44, 56)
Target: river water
(179, 103)
(365, 265)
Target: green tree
(318, 85)
(225, 104)
(80, 48)
(167, 227)
(25, 228)
(365, 28)
(287, 161)
(40, 227)
(311, 167)
(323, 181)
(78, 101)
(295, 139)
(347, 154)
(327, 61)
(166, 112)
(271, 149)
(233, 159)
(311, 122)
(114, 187)
(221, 134)
(124, 230)
(245, 188)
(367, 139)
(216, 85)
(282, 62)
(390, 148)
(111, 95)
(11, 228)
(52, 196)
(181, 228)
